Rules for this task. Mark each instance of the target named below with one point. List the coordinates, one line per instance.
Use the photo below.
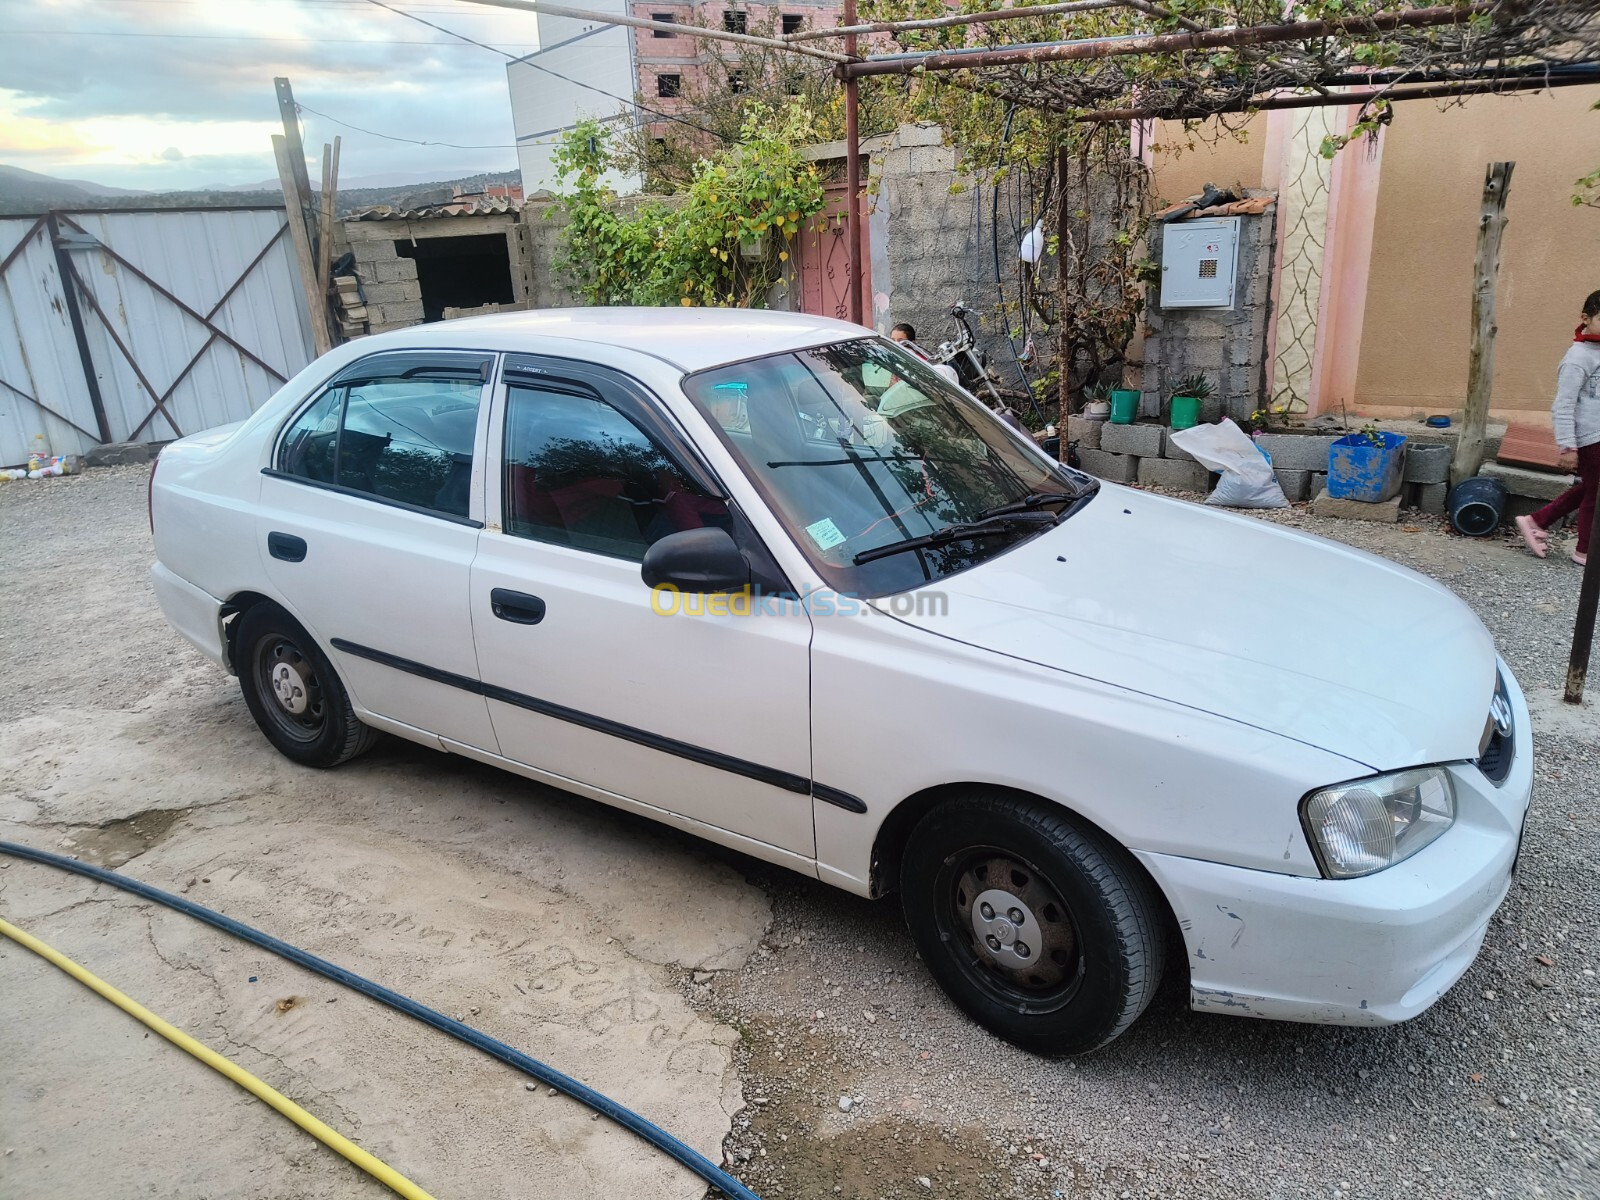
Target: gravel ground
(1493, 1092)
(860, 1080)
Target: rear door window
(400, 428)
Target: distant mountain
(28, 192)
(22, 189)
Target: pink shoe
(1581, 559)
(1533, 537)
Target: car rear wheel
(293, 693)
(1043, 932)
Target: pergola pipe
(1165, 43)
(978, 18)
(673, 27)
(1435, 91)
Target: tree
(725, 239)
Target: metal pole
(1165, 43)
(1583, 628)
(1439, 91)
(852, 171)
(673, 27)
(978, 18)
(69, 293)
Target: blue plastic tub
(1359, 470)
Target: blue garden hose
(654, 1134)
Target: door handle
(517, 607)
(286, 546)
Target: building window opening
(734, 21)
(666, 18)
(793, 22)
(736, 82)
(669, 86)
(460, 272)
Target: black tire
(325, 732)
(1099, 946)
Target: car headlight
(1364, 826)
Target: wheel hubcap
(1020, 930)
(290, 688)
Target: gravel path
(1493, 1092)
(861, 1081)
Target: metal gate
(135, 325)
(823, 259)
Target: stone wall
(389, 280)
(1227, 345)
(933, 246)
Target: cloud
(132, 90)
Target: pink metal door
(824, 257)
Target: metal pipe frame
(1136, 44)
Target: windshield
(858, 446)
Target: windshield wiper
(994, 526)
(1034, 501)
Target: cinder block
(1171, 449)
(1170, 473)
(1117, 468)
(1297, 451)
(1143, 440)
(1519, 481)
(928, 159)
(1296, 485)
(1429, 497)
(920, 135)
(1387, 512)
(1085, 432)
(1319, 480)
(117, 454)
(1427, 463)
(394, 293)
(399, 270)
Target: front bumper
(1368, 951)
(193, 612)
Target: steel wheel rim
(1038, 964)
(280, 666)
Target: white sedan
(767, 578)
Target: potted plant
(1097, 402)
(1366, 465)
(1188, 394)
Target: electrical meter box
(1199, 261)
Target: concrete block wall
(1227, 345)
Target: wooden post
(316, 302)
(1063, 301)
(1583, 629)
(330, 187)
(1480, 365)
(290, 116)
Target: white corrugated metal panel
(197, 256)
(39, 362)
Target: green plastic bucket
(1185, 412)
(1124, 406)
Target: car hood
(1247, 620)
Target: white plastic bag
(1247, 478)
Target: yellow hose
(380, 1171)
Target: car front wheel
(1040, 930)
(293, 693)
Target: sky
(164, 95)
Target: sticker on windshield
(825, 533)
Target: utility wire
(389, 137)
(236, 37)
(666, 116)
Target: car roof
(691, 339)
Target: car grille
(1499, 745)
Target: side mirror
(696, 560)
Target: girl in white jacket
(1576, 417)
